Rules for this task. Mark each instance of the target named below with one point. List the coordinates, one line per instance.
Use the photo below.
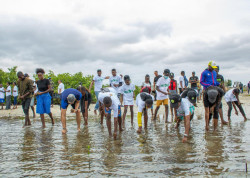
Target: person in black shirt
(194, 80)
(241, 87)
(220, 80)
(155, 81)
(43, 97)
(212, 99)
(85, 102)
(51, 91)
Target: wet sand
(159, 152)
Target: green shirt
(25, 86)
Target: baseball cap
(212, 64)
(174, 100)
(192, 96)
(126, 77)
(166, 71)
(212, 95)
(71, 98)
(171, 74)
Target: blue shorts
(119, 111)
(43, 103)
(1, 100)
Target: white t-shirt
(181, 79)
(184, 110)
(34, 84)
(163, 85)
(60, 86)
(2, 93)
(144, 84)
(128, 93)
(229, 96)
(115, 101)
(9, 91)
(98, 82)
(115, 80)
(15, 91)
(140, 103)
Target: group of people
(121, 93)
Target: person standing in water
(108, 102)
(32, 102)
(25, 94)
(182, 82)
(98, 81)
(43, 97)
(232, 98)
(115, 82)
(15, 95)
(220, 80)
(212, 99)
(172, 89)
(73, 97)
(209, 76)
(157, 76)
(127, 96)
(162, 93)
(85, 102)
(248, 87)
(143, 102)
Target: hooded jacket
(208, 78)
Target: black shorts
(26, 105)
(216, 109)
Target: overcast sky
(134, 36)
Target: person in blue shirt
(73, 97)
(209, 76)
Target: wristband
(185, 135)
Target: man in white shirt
(98, 80)
(115, 82)
(143, 102)
(2, 95)
(8, 96)
(60, 87)
(162, 93)
(127, 96)
(182, 82)
(108, 102)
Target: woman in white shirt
(8, 96)
(15, 94)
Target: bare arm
(86, 109)
(157, 88)
(91, 85)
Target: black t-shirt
(43, 85)
(87, 96)
(194, 78)
(220, 80)
(220, 95)
(157, 78)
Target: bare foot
(207, 128)
(224, 122)
(184, 140)
(34, 116)
(78, 130)
(115, 135)
(95, 112)
(64, 130)
(139, 130)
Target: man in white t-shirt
(184, 111)
(60, 87)
(162, 93)
(182, 82)
(8, 96)
(108, 102)
(98, 80)
(127, 96)
(15, 95)
(115, 82)
(143, 102)
(232, 98)
(2, 95)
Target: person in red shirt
(172, 89)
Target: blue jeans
(15, 100)
(97, 102)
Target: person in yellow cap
(209, 76)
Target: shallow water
(33, 151)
